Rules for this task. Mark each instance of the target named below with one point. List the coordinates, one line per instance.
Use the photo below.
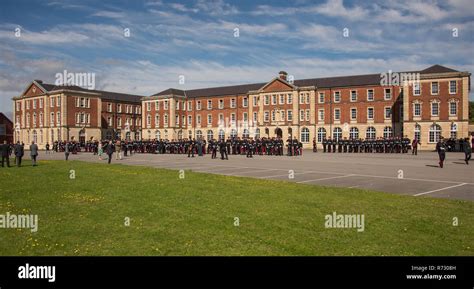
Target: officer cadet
(344, 144)
(441, 149)
(325, 142)
(191, 147)
(407, 142)
(334, 144)
(223, 149)
(414, 146)
(467, 150)
(315, 146)
(249, 148)
(289, 145)
(295, 145)
(329, 144)
(213, 147)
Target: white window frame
(338, 93)
(389, 95)
(455, 87)
(321, 97)
(353, 93)
(433, 104)
(455, 108)
(373, 113)
(337, 114)
(353, 109)
(416, 88)
(437, 88)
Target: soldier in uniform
(213, 146)
(249, 148)
(441, 149)
(334, 143)
(223, 149)
(344, 144)
(191, 148)
(315, 147)
(325, 142)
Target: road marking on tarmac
(442, 189)
(330, 178)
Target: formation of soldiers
(230, 146)
(377, 145)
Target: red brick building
(6, 129)
(45, 113)
(360, 106)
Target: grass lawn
(195, 215)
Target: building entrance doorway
(278, 132)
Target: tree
(471, 112)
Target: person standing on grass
(467, 151)
(19, 152)
(33, 152)
(441, 149)
(110, 150)
(5, 152)
(47, 148)
(66, 151)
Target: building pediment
(35, 88)
(277, 84)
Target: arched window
(127, 136)
(354, 133)
(210, 135)
(233, 133)
(305, 135)
(435, 133)
(137, 135)
(35, 136)
(157, 135)
(148, 120)
(246, 133)
(387, 132)
(257, 133)
(190, 134)
(337, 133)
(370, 133)
(321, 134)
(58, 131)
(149, 134)
(221, 134)
(454, 131)
(198, 134)
(417, 132)
(180, 135)
(41, 136)
(52, 136)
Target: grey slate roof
(108, 95)
(327, 82)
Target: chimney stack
(282, 74)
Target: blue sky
(196, 39)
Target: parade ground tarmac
(403, 174)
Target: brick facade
(345, 107)
(46, 113)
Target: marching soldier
(441, 149)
